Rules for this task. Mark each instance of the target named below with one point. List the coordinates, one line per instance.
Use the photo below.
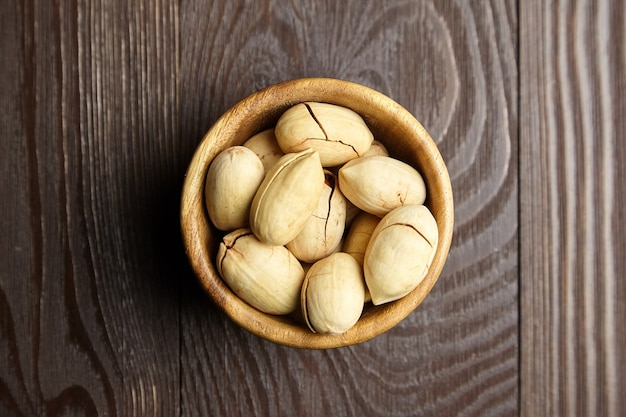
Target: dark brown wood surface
(572, 196)
(103, 103)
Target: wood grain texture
(88, 304)
(572, 221)
(454, 66)
(103, 103)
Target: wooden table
(103, 103)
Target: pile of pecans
(318, 216)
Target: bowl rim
(274, 99)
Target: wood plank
(454, 66)
(91, 173)
(572, 194)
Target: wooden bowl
(405, 138)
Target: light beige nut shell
(400, 252)
(264, 145)
(333, 294)
(337, 133)
(267, 277)
(324, 229)
(231, 183)
(286, 198)
(377, 148)
(378, 184)
(359, 235)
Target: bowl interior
(395, 127)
